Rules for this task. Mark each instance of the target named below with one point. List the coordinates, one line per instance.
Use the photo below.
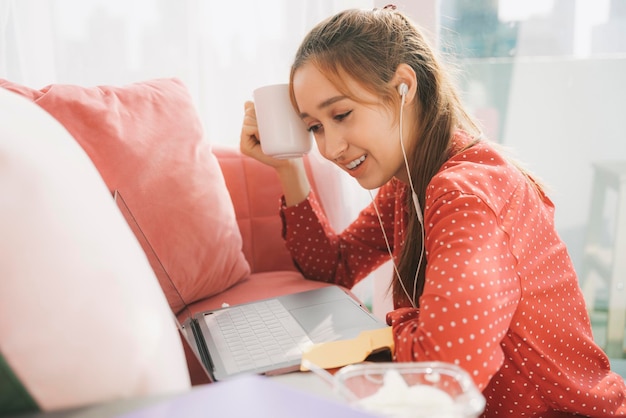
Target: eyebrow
(324, 104)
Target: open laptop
(266, 336)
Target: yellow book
(343, 352)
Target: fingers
(249, 114)
(249, 139)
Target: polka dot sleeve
(470, 294)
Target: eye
(342, 116)
(314, 128)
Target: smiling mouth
(355, 163)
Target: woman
(481, 278)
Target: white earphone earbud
(403, 89)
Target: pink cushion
(146, 141)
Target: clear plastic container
(415, 390)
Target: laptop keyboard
(256, 335)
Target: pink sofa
(210, 213)
(255, 193)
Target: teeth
(355, 163)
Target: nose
(334, 146)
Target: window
(546, 78)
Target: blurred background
(546, 78)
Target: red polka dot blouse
(501, 297)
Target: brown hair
(368, 46)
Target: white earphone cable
(419, 217)
(393, 261)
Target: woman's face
(361, 138)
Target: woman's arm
(319, 252)
(347, 257)
(470, 294)
(294, 181)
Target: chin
(369, 184)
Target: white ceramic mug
(282, 132)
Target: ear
(405, 74)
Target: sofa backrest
(255, 192)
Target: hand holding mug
(281, 132)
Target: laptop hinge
(203, 351)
